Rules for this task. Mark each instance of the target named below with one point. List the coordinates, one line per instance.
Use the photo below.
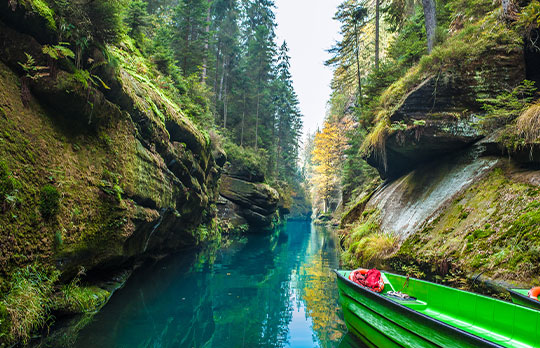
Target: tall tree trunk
(222, 78)
(377, 32)
(225, 102)
(431, 22)
(207, 31)
(218, 55)
(243, 118)
(359, 76)
(257, 121)
(279, 143)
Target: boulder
(256, 196)
(240, 171)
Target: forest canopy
(219, 60)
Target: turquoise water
(259, 291)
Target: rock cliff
(460, 199)
(133, 174)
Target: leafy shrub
(97, 22)
(42, 9)
(49, 203)
(529, 21)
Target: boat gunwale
(413, 312)
(526, 298)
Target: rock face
(407, 204)
(455, 204)
(253, 202)
(135, 176)
(438, 116)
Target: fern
(59, 51)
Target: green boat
(521, 297)
(435, 316)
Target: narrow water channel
(260, 291)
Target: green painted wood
(440, 317)
(521, 297)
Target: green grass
(26, 307)
(81, 299)
(365, 244)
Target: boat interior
(498, 321)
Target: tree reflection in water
(261, 291)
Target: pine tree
(136, 18)
(191, 36)
(259, 30)
(346, 53)
(226, 53)
(288, 118)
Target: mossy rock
(4, 322)
(251, 195)
(32, 17)
(74, 299)
(429, 111)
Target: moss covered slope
(97, 169)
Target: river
(258, 291)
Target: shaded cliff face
(433, 109)
(133, 175)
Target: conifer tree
(136, 18)
(346, 53)
(288, 118)
(190, 39)
(259, 30)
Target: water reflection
(261, 291)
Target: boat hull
(381, 322)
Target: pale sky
(309, 30)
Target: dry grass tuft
(528, 124)
(372, 249)
(376, 141)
